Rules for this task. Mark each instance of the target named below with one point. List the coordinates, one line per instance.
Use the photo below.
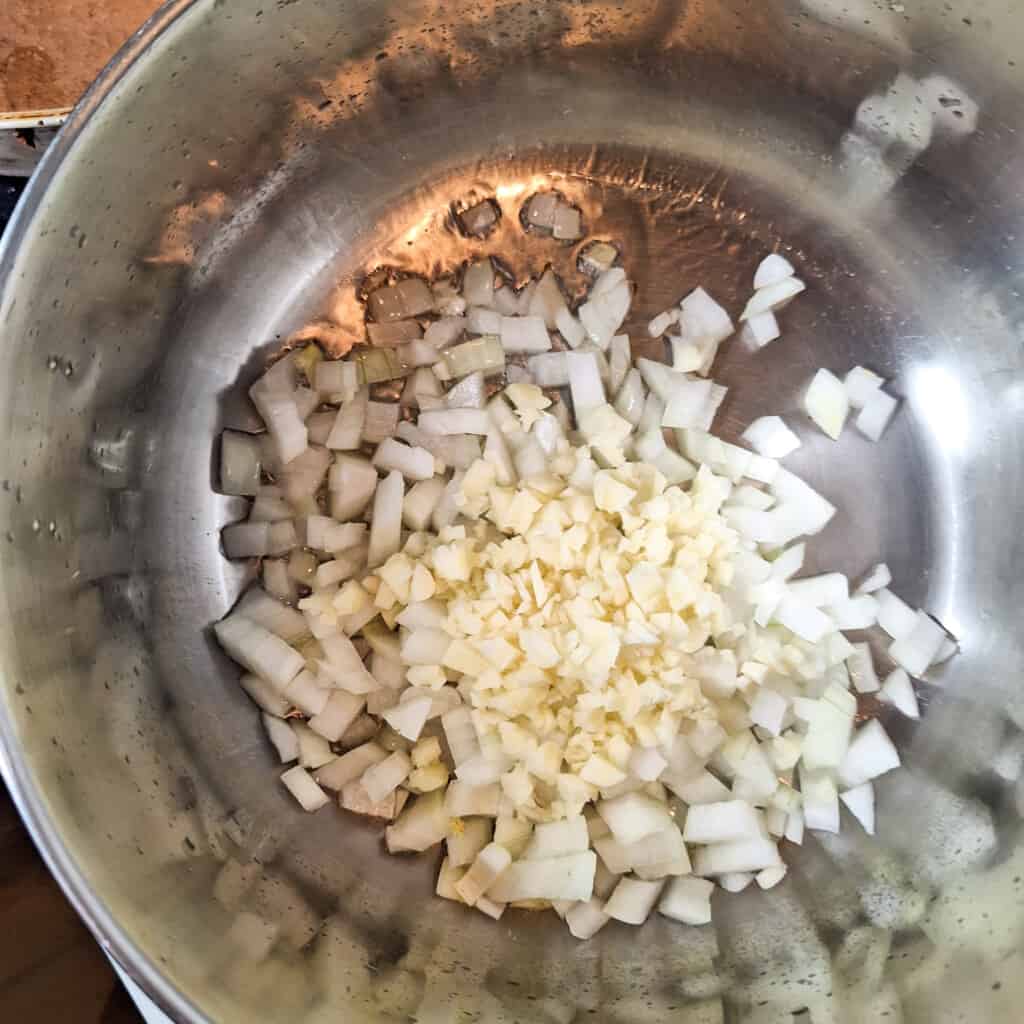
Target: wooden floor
(50, 967)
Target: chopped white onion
(857, 612)
(740, 855)
(380, 780)
(769, 436)
(586, 919)
(338, 773)
(877, 578)
(917, 649)
(340, 711)
(633, 900)
(301, 785)
(259, 650)
(557, 878)
(524, 334)
(772, 270)
(860, 801)
(283, 738)
(862, 669)
(898, 690)
(721, 822)
(871, 754)
(759, 330)
(240, 463)
(860, 385)
(773, 297)
(874, 417)
(687, 900)
(826, 403)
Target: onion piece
(464, 799)
(620, 361)
(862, 669)
(685, 407)
(604, 312)
(282, 736)
(342, 770)
(301, 785)
(629, 402)
(875, 416)
(351, 482)
(420, 826)
(258, 650)
(722, 822)
(409, 717)
(871, 754)
(898, 690)
(459, 451)
(337, 379)
(480, 355)
(895, 616)
(773, 297)
(285, 425)
(769, 436)
(772, 270)
(768, 710)
(313, 749)
(393, 334)
(662, 322)
(585, 384)
(703, 318)
(818, 591)
(633, 900)
(634, 816)
(487, 868)
(585, 920)
(858, 612)
(340, 711)
(860, 801)
(380, 780)
(259, 607)
(829, 726)
(558, 838)
(875, 579)
(407, 298)
(687, 900)
(343, 665)
(386, 528)
(759, 330)
(736, 856)
(466, 839)
(860, 385)
(916, 650)
(570, 328)
(557, 878)
(478, 283)
(264, 695)
(306, 693)
(771, 877)
(381, 421)
(412, 463)
(821, 802)
(240, 463)
(455, 421)
(524, 334)
(246, 540)
(826, 403)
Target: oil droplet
(36, 525)
(68, 370)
